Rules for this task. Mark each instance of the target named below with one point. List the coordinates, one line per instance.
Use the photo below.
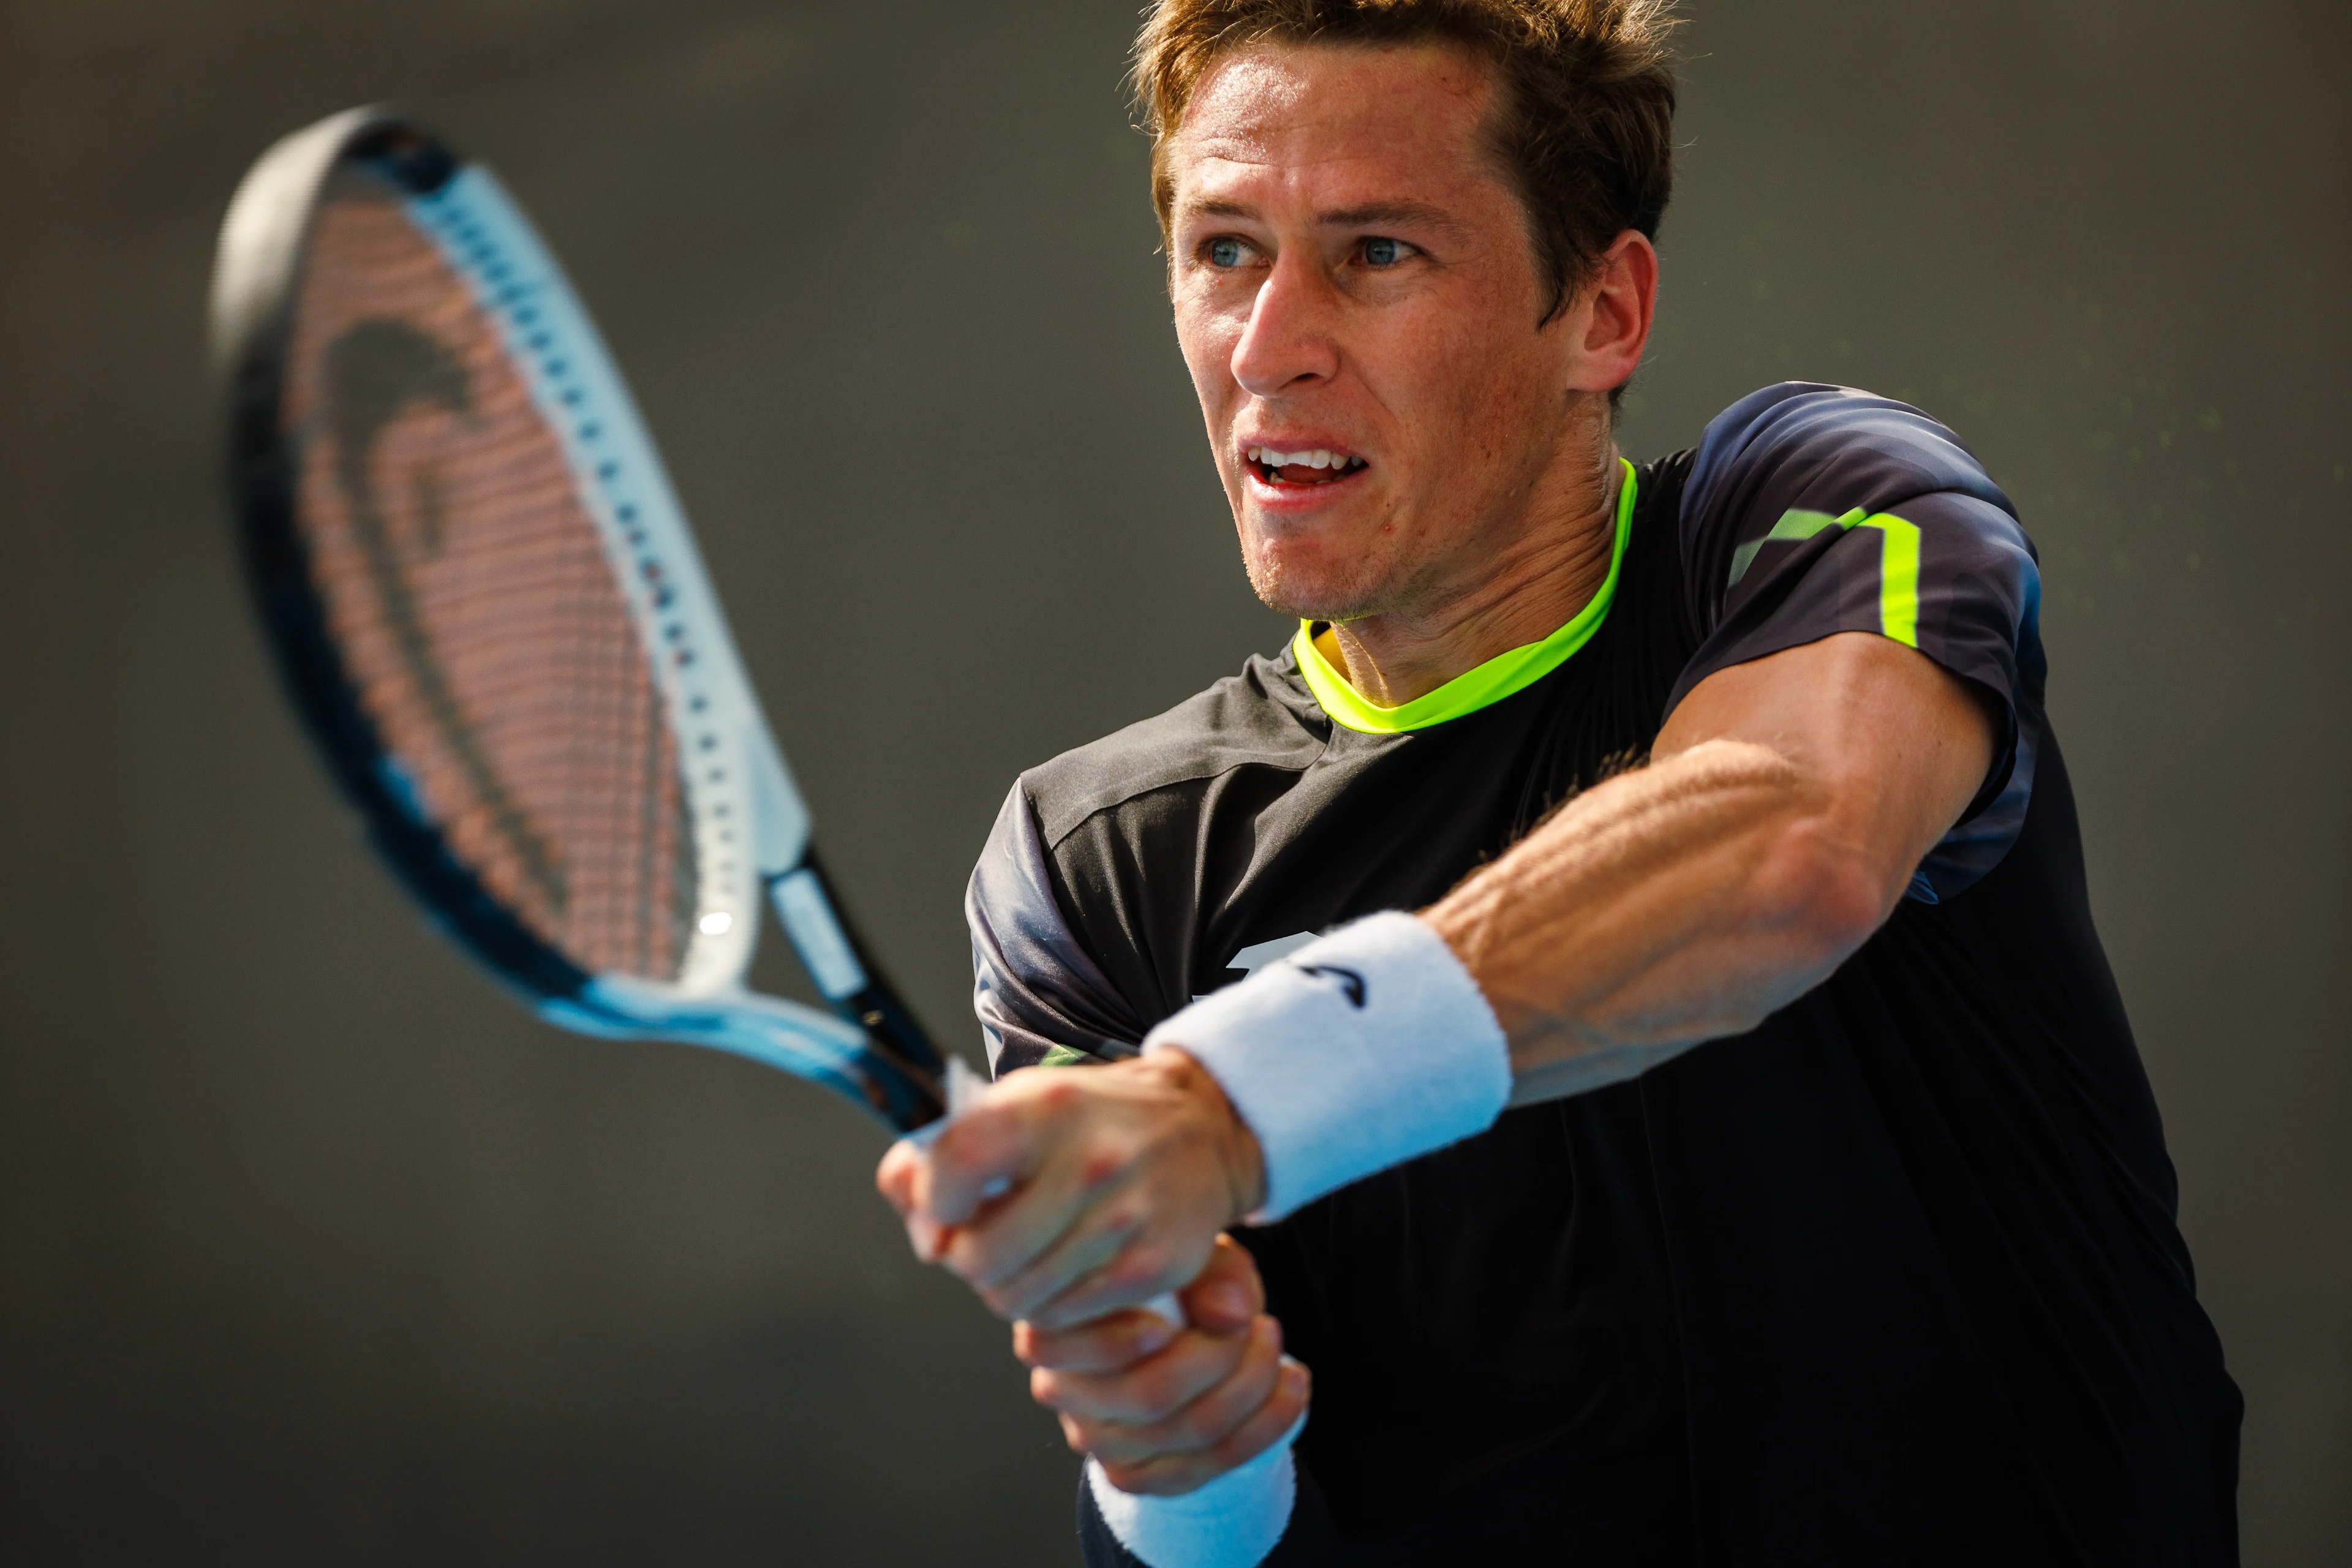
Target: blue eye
(1383, 252)
(1225, 252)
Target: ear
(1609, 322)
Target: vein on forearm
(1669, 905)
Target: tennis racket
(487, 607)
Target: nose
(1288, 344)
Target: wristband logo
(1350, 983)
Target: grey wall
(313, 1248)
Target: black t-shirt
(1892, 1278)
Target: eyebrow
(1416, 213)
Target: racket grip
(1169, 1309)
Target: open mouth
(1300, 470)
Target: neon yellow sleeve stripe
(1498, 678)
(1898, 562)
(1898, 577)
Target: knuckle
(1229, 1355)
(1198, 1426)
(1140, 1264)
(1101, 1249)
(1149, 1392)
(1231, 1404)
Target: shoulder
(1262, 716)
(1065, 958)
(1804, 442)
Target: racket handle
(1169, 1309)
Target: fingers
(1228, 1294)
(1072, 1223)
(1105, 1344)
(1169, 1474)
(902, 1178)
(1104, 1266)
(1164, 1410)
(1071, 1244)
(1224, 1300)
(998, 1143)
(1161, 1387)
(1202, 1422)
(1021, 1256)
(894, 1177)
(1065, 1196)
(996, 1147)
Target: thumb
(1227, 1296)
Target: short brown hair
(1584, 125)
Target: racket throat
(907, 1065)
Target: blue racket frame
(752, 825)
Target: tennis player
(1624, 973)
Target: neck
(1523, 593)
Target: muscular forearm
(1670, 905)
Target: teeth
(1274, 457)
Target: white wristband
(1230, 1523)
(1357, 1052)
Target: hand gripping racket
(486, 603)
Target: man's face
(1355, 294)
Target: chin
(1310, 589)
(1324, 564)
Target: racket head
(488, 609)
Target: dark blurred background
(313, 1248)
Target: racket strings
(470, 590)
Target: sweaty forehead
(1413, 111)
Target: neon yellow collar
(1492, 681)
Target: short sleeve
(1040, 998)
(1813, 509)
